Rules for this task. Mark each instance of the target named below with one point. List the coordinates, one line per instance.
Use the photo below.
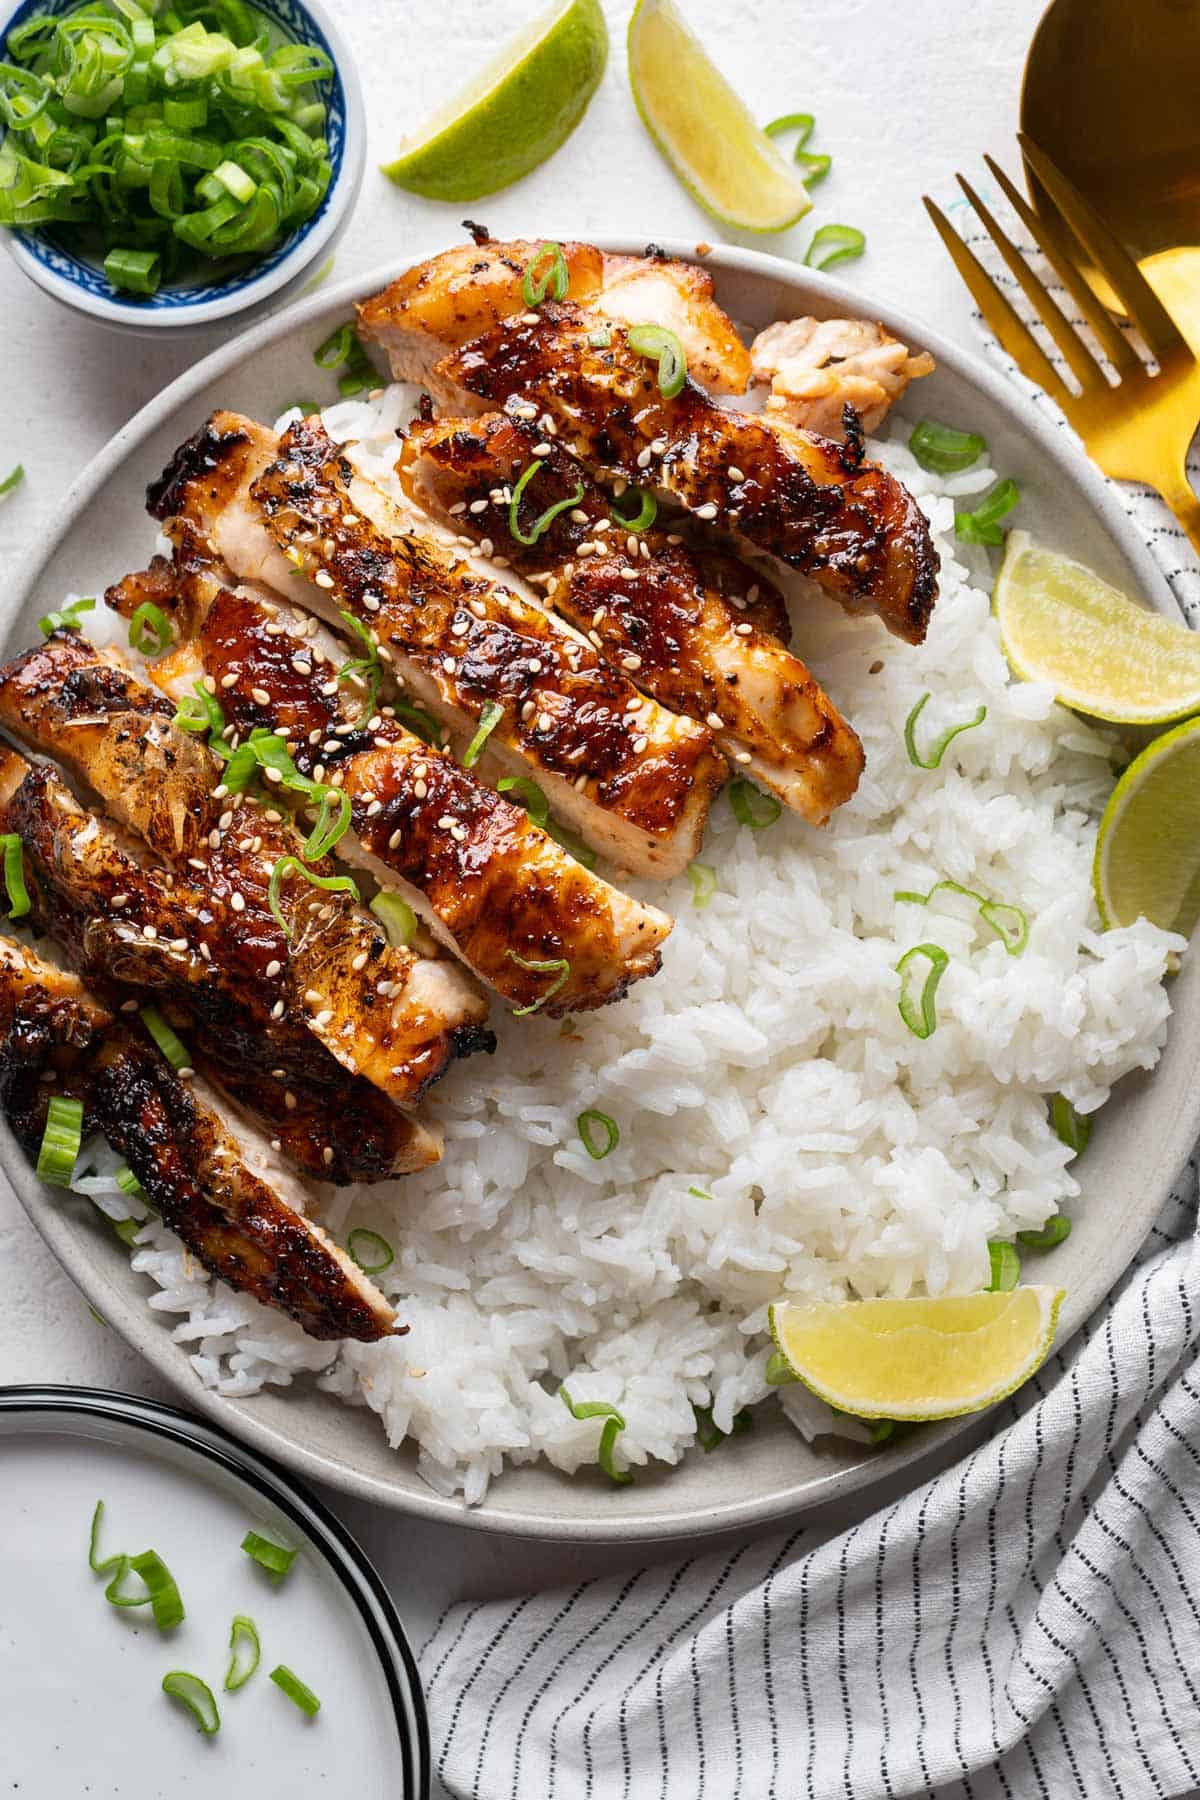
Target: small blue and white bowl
(246, 293)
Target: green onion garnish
(939, 746)
(489, 718)
(276, 1559)
(547, 518)
(397, 918)
(1072, 1128)
(704, 884)
(587, 1124)
(614, 1422)
(291, 865)
(699, 1193)
(918, 1010)
(16, 476)
(943, 449)
(800, 122)
(834, 244)
(337, 348)
(663, 347)
(294, 1688)
(646, 513)
(370, 1251)
(150, 629)
(197, 1696)
(127, 1181)
(67, 619)
(61, 1139)
(200, 711)
(1005, 1268)
(422, 724)
(750, 806)
(127, 1230)
(369, 667)
(244, 1653)
(549, 966)
(14, 875)
(94, 1563)
(528, 794)
(601, 337)
(983, 525)
(267, 750)
(332, 822)
(136, 271)
(555, 281)
(778, 1371)
(1009, 923)
(172, 1047)
(709, 1435)
(166, 1602)
(1049, 1236)
(814, 167)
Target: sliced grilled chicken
(496, 889)
(139, 934)
(818, 506)
(467, 290)
(817, 367)
(386, 1014)
(699, 650)
(633, 780)
(214, 1184)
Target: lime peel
(1147, 860)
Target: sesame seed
(445, 822)
(273, 775)
(277, 1010)
(260, 696)
(273, 969)
(643, 461)
(734, 473)
(673, 537)
(323, 1017)
(374, 722)
(544, 721)
(460, 506)
(530, 318)
(327, 1155)
(129, 1006)
(375, 807)
(541, 449)
(631, 662)
(238, 902)
(448, 664)
(225, 821)
(743, 630)
(371, 602)
(578, 516)
(752, 596)
(289, 1100)
(210, 684)
(707, 511)
(382, 743)
(329, 688)
(478, 506)
(581, 782)
(311, 996)
(394, 840)
(596, 639)
(715, 720)
(587, 548)
(631, 544)
(486, 547)
(227, 681)
(272, 817)
(458, 833)
(302, 665)
(148, 931)
(206, 953)
(186, 1073)
(639, 744)
(742, 756)
(323, 578)
(179, 944)
(460, 627)
(528, 708)
(119, 900)
(277, 1144)
(524, 410)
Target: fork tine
(1080, 358)
(1110, 256)
(1011, 330)
(1117, 347)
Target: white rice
(782, 1131)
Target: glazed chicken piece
(139, 935)
(634, 781)
(386, 1014)
(498, 891)
(696, 639)
(466, 291)
(817, 367)
(214, 1183)
(845, 523)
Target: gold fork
(1138, 428)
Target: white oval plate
(84, 1709)
(1141, 1139)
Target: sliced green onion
(983, 525)
(127, 1230)
(555, 281)
(704, 884)
(614, 1422)
(337, 348)
(134, 271)
(171, 1046)
(834, 244)
(1071, 1128)
(554, 965)
(800, 122)
(489, 718)
(200, 711)
(750, 806)
(61, 1139)
(663, 347)
(420, 723)
(127, 1181)
(397, 918)
(291, 865)
(547, 518)
(1050, 1235)
(699, 1193)
(528, 794)
(933, 758)
(919, 1011)
(329, 828)
(14, 875)
(815, 167)
(778, 1371)
(1005, 1266)
(646, 513)
(16, 476)
(244, 1652)
(943, 449)
(600, 338)
(1009, 923)
(587, 1124)
(150, 629)
(67, 619)
(881, 1429)
(709, 1435)
(109, 1563)
(296, 1691)
(197, 1696)
(368, 666)
(275, 1558)
(162, 1591)
(370, 1250)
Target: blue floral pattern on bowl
(295, 21)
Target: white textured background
(905, 93)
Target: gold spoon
(1110, 93)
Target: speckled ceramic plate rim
(727, 1502)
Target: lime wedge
(702, 128)
(1147, 862)
(517, 111)
(917, 1358)
(1103, 655)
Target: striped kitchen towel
(1025, 1624)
